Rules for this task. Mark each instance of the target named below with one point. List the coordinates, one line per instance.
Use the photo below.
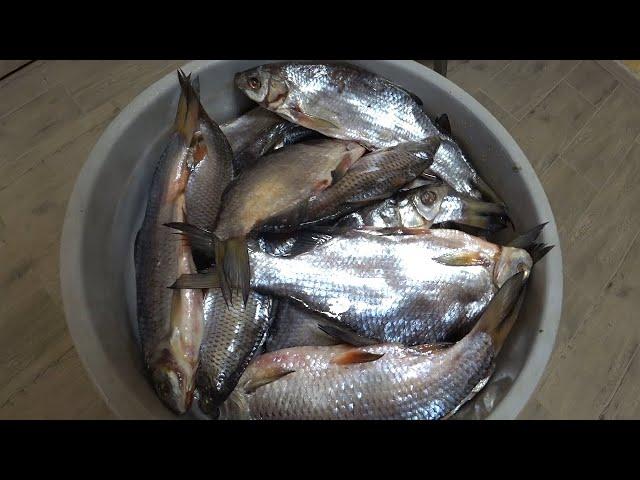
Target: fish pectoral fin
(314, 123)
(356, 355)
(307, 240)
(261, 380)
(463, 259)
(208, 279)
(346, 335)
(200, 240)
(431, 347)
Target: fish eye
(522, 267)
(428, 197)
(254, 82)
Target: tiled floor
(577, 121)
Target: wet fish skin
(212, 158)
(451, 165)
(280, 184)
(273, 138)
(393, 288)
(242, 131)
(340, 101)
(169, 321)
(257, 133)
(350, 103)
(233, 334)
(402, 384)
(379, 382)
(294, 326)
(430, 204)
(375, 176)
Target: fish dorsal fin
(346, 335)
(356, 355)
(307, 240)
(442, 122)
(260, 381)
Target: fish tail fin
(484, 215)
(186, 121)
(196, 235)
(539, 250)
(526, 240)
(232, 262)
(502, 311)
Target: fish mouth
(172, 385)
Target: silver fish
(213, 159)
(169, 321)
(258, 132)
(431, 203)
(412, 289)
(294, 326)
(382, 382)
(350, 103)
(233, 334)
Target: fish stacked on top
(331, 260)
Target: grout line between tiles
(620, 382)
(566, 80)
(584, 126)
(515, 120)
(16, 70)
(539, 101)
(602, 293)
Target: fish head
(173, 387)
(512, 261)
(428, 199)
(264, 84)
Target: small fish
(274, 188)
(170, 321)
(347, 102)
(431, 203)
(379, 382)
(424, 287)
(232, 335)
(295, 326)
(211, 158)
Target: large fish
(274, 188)
(347, 102)
(430, 203)
(380, 382)
(259, 131)
(413, 289)
(169, 321)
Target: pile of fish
(327, 255)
